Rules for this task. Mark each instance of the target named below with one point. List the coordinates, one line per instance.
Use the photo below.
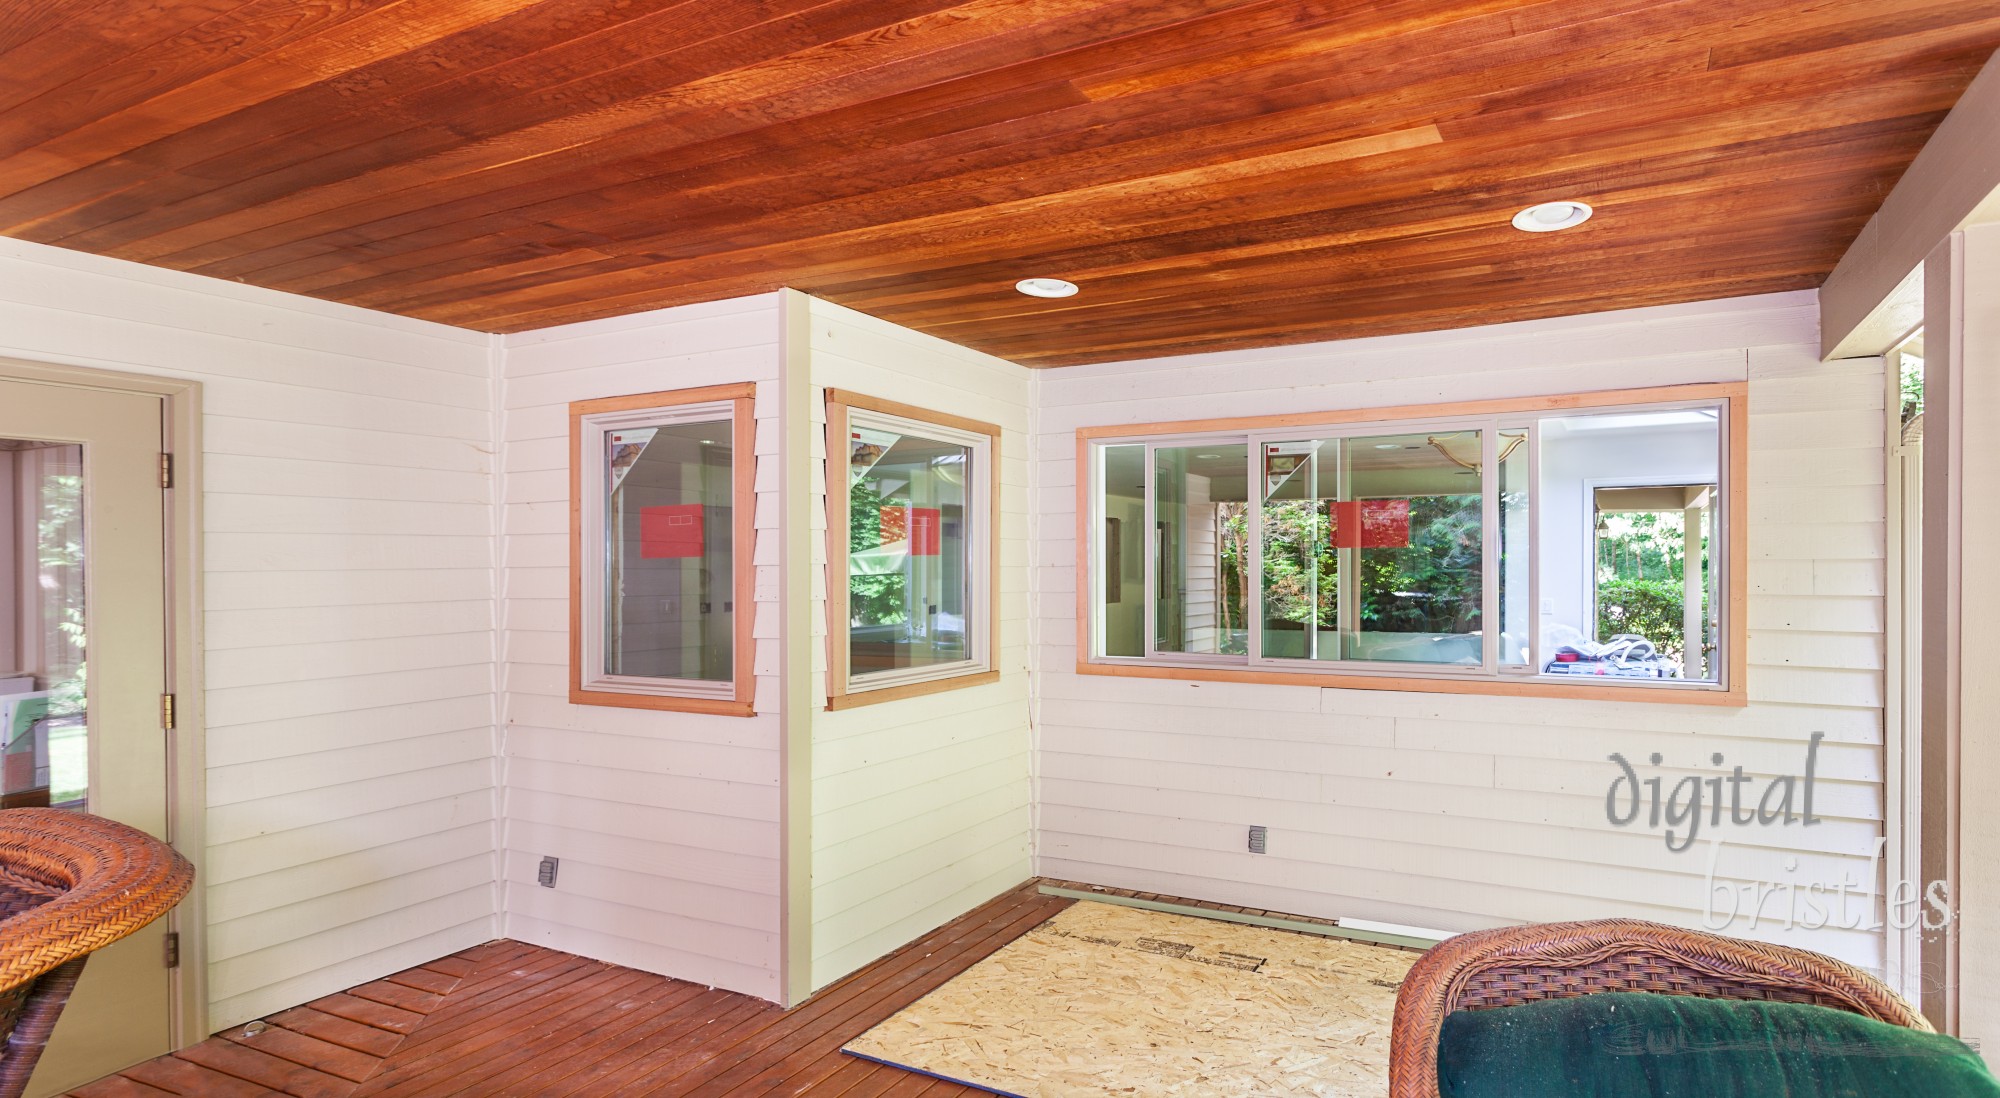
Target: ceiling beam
(1874, 297)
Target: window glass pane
(669, 571)
(1371, 548)
(1121, 559)
(1516, 568)
(42, 626)
(1410, 518)
(1628, 526)
(1301, 566)
(907, 587)
(1199, 494)
(1910, 369)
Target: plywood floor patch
(1106, 1000)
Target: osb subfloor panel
(510, 1019)
(1105, 1000)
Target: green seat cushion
(1632, 1045)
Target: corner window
(662, 505)
(911, 521)
(1509, 544)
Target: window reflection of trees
(1432, 586)
(59, 535)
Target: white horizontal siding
(357, 794)
(1462, 812)
(349, 587)
(666, 823)
(920, 807)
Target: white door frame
(186, 762)
(1902, 715)
(1716, 590)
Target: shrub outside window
(911, 521)
(662, 507)
(1554, 546)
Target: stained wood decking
(507, 1018)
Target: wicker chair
(70, 884)
(1513, 965)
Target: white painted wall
(349, 477)
(1461, 812)
(667, 824)
(920, 807)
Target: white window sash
(978, 538)
(596, 553)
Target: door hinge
(166, 710)
(166, 470)
(172, 946)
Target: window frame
(982, 554)
(1492, 417)
(733, 698)
(1593, 596)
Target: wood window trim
(743, 533)
(839, 402)
(1734, 694)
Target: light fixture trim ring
(1549, 217)
(1046, 287)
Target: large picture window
(912, 516)
(1556, 545)
(661, 526)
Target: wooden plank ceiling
(1214, 173)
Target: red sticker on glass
(922, 527)
(1371, 524)
(671, 531)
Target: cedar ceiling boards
(1214, 174)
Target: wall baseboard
(1274, 922)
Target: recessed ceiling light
(1388, 446)
(1046, 287)
(1550, 216)
(1210, 457)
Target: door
(83, 669)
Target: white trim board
(1358, 930)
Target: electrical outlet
(1259, 837)
(545, 875)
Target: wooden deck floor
(510, 1019)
